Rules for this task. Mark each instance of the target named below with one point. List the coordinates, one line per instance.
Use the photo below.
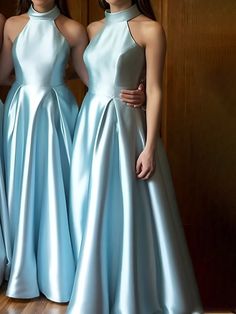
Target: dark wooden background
(199, 130)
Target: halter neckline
(49, 15)
(122, 16)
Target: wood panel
(94, 11)
(32, 306)
(8, 8)
(200, 133)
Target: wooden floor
(38, 306)
(33, 306)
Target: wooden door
(200, 136)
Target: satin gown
(39, 123)
(127, 236)
(5, 248)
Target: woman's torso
(40, 52)
(113, 59)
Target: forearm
(153, 118)
(84, 78)
(77, 57)
(81, 71)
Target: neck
(120, 7)
(43, 8)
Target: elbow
(154, 95)
(153, 89)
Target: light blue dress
(127, 236)
(5, 246)
(39, 123)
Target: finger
(132, 100)
(132, 104)
(141, 87)
(133, 97)
(143, 173)
(138, 167)
(150, 174)
(131, 91)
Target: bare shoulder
(94, 27)
(15, 24)
(154, 29)
(71, 25)
(71, 29)
(18, 19)
(150, 27)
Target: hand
(134, 98)
(145, 165)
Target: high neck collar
(122, 16)
(49, 15)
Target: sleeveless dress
(5, 246)
(128, 240)
(39, 122)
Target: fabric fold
(5, 244)
(37, 148)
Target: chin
(118, 2)
(43, 2)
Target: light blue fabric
(5, 246)
(127, 236)
(39, 123)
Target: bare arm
(76, 36)
(6, 63)
(77, 54)
(155, 57)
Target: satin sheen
(39, 122)
(5, 246)
(127, 235)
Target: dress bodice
(40, 52)
(113, 59)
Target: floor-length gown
(127, 236)
(39, 122)
(5, 249)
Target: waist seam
(112, 93)
(38, 85)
